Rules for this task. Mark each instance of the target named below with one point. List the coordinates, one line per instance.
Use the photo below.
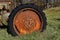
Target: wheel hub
(29, 23)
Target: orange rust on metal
(26, 21)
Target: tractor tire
(25, 19)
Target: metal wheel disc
(26, 21)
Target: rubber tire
(14, 11)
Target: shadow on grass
(3, 27)
(58, 19)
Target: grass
(52, 31)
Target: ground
(52, 31)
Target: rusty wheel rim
(26, 21)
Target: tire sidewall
(20, 7)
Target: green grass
(52, 31)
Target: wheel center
(29, 23)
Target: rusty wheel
(25, 19)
